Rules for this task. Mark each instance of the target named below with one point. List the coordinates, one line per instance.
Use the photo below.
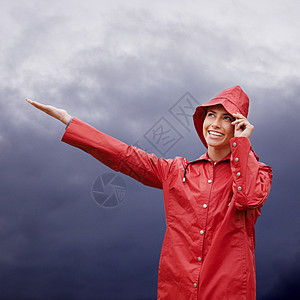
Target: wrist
(69, 123)
(66, 119)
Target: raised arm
(251, 179)
(127, 159)
(132, 161)
(52, 111)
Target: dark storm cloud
(287, 281)
(275, 143)
(57, 237)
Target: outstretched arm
(134, 162)
(52, 111)
(127, 159)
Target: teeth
(215, 133)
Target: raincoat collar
(201, 158)
(205, 157)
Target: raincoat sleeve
(251, 179)
(130, 160)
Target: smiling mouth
(214, 133)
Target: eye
(228, 118)
(210, 114)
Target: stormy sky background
(122, 66)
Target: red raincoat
(208, 249)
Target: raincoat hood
(234, 100)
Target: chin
(213, 143)
(218, 144)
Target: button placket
(202, 224)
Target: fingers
(52, 111)
(48, 109)
(238, 117)
(242, 126)
(31, 101)
(37, 104)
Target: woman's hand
(52, 111)
(242, 126)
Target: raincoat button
(234, 144)
(204, 205)
(195, 284)
(209, 181)
(236, 159)
(201, 231)
(239, 188)
(238, 174)
(199, 258)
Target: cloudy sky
(123, 67)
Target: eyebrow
(226, 114)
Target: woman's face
(217, 128)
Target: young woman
(211, 204)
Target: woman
(211, 204)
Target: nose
(216, 123)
